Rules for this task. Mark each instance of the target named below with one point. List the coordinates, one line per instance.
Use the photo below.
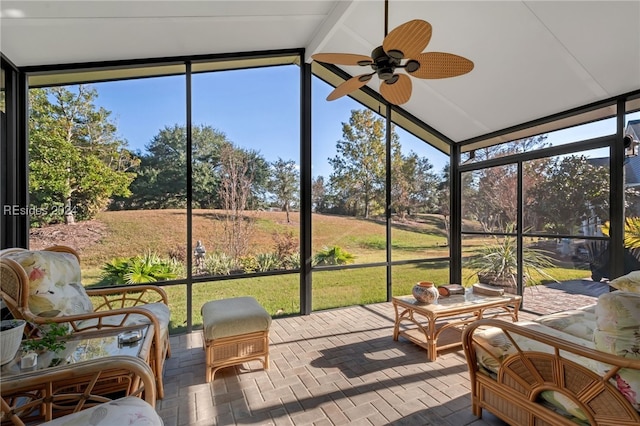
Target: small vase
(425, 292)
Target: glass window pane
(590, 130)
(246, 171)
(566, 195)
(489, 199)
(632, 179)
(404, 277)
(347, 287)
(97, 159)
(567, 283)
(278, 294)
(419, 199)
(349, 175)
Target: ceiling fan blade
(342, 59)
(399, 92)
(409, 38)
(441, 65)
(354, 83)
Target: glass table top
(100, 344)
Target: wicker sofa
(580, 366)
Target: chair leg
(159, 381)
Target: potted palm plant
(497, 264)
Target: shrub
(292, 261)
(178, 253)
(267, 262)
(285, 244)
(333, 256)
(219, 263)
(138, 269)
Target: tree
(162, 179)
(284, 183)
(319, 195)
(413, 184)
(359, 167)
(491, 194)
(236, 175)
(573, 190)
(443, 200)
(77, 164)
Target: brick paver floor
(336, 367)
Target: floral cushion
(618, 332)
(124, 411)
(628, 282)
(576, 322)
(55, 288)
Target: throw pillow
(629, 282)
(55, 287)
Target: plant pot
(425, 292)
(509, 284)
(10, 339)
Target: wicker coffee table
(424, 329)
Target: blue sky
(255, 108)
(259, 109)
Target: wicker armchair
(45, 286)
(75, 394)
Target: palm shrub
(631, 231)
(498, 263)
(138, 270)
(335, 255)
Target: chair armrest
(44, 392)
(129, 296)
(74, 321)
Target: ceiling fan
(402, 48)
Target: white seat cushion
(130, 410)
(159, 310)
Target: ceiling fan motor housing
(383, 64)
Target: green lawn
(131, 233)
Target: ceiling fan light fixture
(385, 73)
(394, 78)
(412, 66)
(395, 54)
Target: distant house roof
(632, 164)
(632, 171)
(633, 129)
(631, 168)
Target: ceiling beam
(335, 18)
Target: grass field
(129, 233)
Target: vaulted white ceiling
(532, 58)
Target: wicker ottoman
(236, 330)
